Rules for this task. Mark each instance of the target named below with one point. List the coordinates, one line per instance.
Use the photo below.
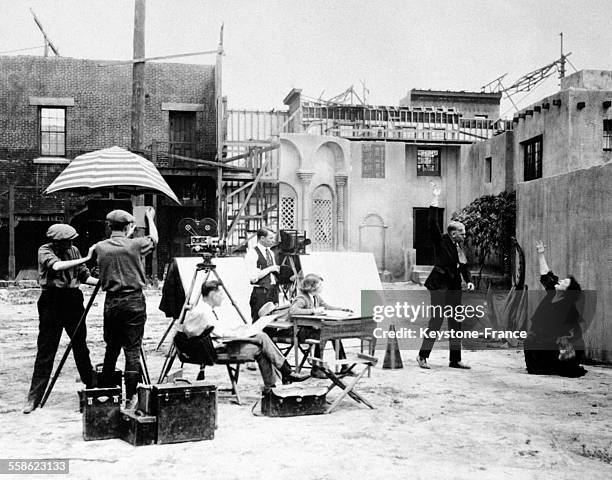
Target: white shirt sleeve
(197, 320)
(250, 261)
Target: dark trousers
(443, 298)
(268, 356)
(124, 320)
(259, 297)
(59, 309)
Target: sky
(324, 47)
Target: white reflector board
(345, 275)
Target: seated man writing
(237, 341)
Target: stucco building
(558, 159)
(357, 177)
(564, 132)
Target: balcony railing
(159, 152)
(30, 201)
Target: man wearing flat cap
(60, 306)
(121, 262)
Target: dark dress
(555, 318)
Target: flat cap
(61, 231)
(120, 216)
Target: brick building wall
(99, 116)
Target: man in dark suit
(262, 269)
(444, 283)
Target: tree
(490, 223)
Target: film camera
(203, 236)
(293, 242)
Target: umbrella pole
(69, 347)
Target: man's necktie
(269, 258)
(270, 262)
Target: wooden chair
(232, 364)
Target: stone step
(421, 272)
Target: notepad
(338, 314)
(244, 332)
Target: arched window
(372, 238)
(322, 219)
(288, 207)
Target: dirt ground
(494, 421)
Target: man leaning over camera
(121, 262)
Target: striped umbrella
(110, 168)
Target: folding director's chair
(329, 368)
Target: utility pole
(221, 226)
(138, 100)
(138, 85)
(138, 76)
(48, 43)
(12, 225)
(562, 61)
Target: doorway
(423, 244)
(182, 133)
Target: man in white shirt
(262, 269)
(238, 341)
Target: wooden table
(333, 328)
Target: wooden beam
(238, 190)
(138, 76)
(66, 212)
(150, 59)
(480, 137)
(248, 143)
(209, 163)
(220, 131)
(247, 217)
(238, 176)
(12, 225)
(220, 199)
(187, 172)
(48, 42)
(39, 217)
(245, 155)
(138, 85)
(242, 244)
(247, 198)
(269, 209)
(237, 157)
